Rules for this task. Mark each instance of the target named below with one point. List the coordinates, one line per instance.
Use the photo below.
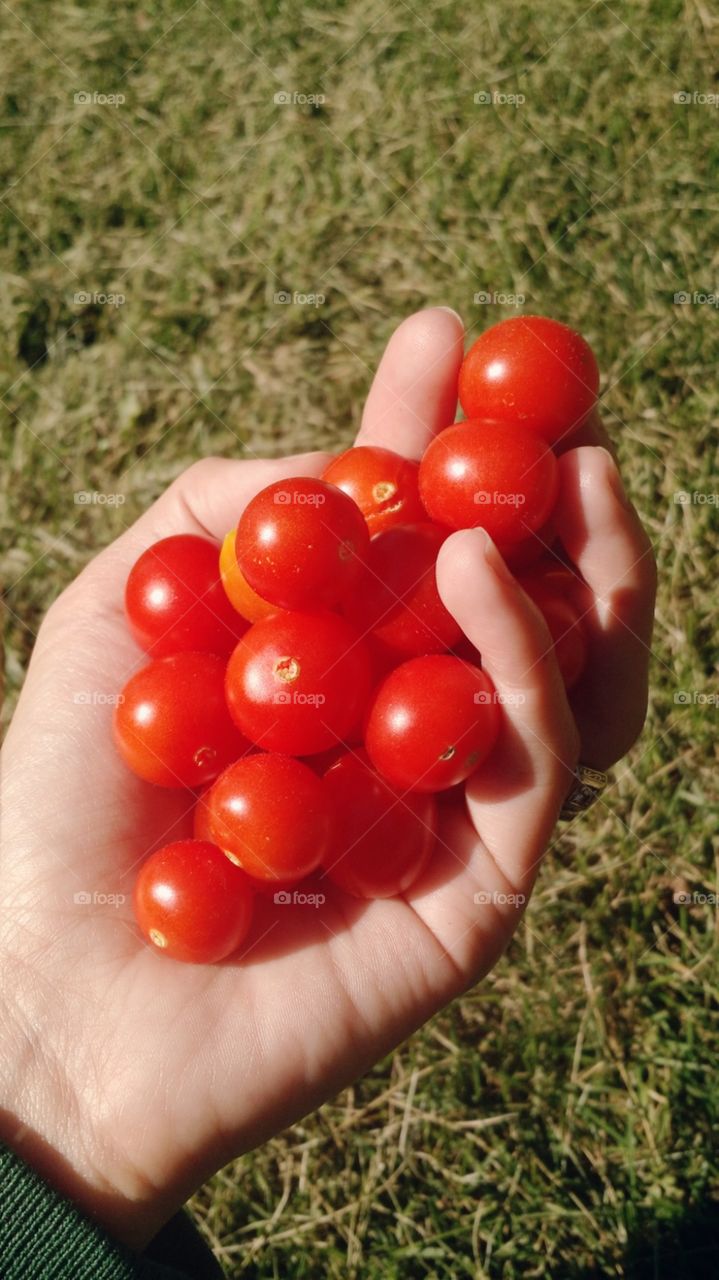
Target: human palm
(138, 1076)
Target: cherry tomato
(172, 726)
(192, 903)
(501, 478)
(174, 601)
(554, 592)
(398, 596)
(382, 840)
(301, 543)
(272, 815)
(237, 589)
(384, 659)
(382, 483)
(432, 723)
(202, 830)
(298, 682)
(530, 370)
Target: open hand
(129, 1078)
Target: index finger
(414, 392)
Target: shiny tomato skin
(432, 722)
(202, 830)
(271, 814)
(301, 543)
(530, 370)
(398, 597)
(384, 485)
(172, 726)
(174, 600)
(298, 682)
(191, 903)
(382, 838)
(237, 589)
(489, 475)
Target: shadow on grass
(686, 1248)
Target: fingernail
(451, 311)
(614, 478)
(495, 560)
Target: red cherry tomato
(530, 370)
(383, 658)
(301, 543)
(298, 682)
(382, 483)
(398, 597)
(237, 589)
(554, 593)
(272, 814)
(568, 636)
(382, 840)
(202, 830)
(174, 601)
(172, 726)
(501, 478)
(191, 903)
(432, 723)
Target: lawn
(165, 172)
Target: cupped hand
(128, 1078)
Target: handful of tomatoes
(309, 685)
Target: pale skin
(128, 1078)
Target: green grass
(562, 1120)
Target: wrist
(45, 1114)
